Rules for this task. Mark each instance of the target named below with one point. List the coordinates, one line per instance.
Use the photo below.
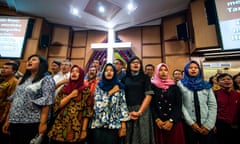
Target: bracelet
(84, 130)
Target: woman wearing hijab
(74, 110)
(138, 96)
(110, 109)
(166, 107)
(199, 105)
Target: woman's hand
(134, 115)
(122, 132)
(83, 134)
(74, 93)
(167, 125)
(42, 128)
(113, 90)
(5, 128)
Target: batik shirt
(29, 98)
(6, 90)
(109, 111)
(68, 123)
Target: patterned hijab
(161, 83)
(75, 84)
(194, 83)
(106, 84)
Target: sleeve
(123, 107)
(87, 103)
(188, 119)
(148, 88)
(47, 92)
(212, 110)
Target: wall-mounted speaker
(210, 11)
(44, 41)
(182, 31)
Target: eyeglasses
(116, 63)
(135, 62)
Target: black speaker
(44, 41)
(182, 31)
(210, 11)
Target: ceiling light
(101, 9)
(131, 7)
(74, 11)
(110, 25)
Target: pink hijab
(162, 83)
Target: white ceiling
(149, 12)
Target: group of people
(112, 106)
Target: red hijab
(161, 83)
(75, 84)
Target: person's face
(135, 65)
(96, 63)
(215, 80)
(109, 73)
(65, 67)
(92, 73)
(149, 71)
(117, 65)
(33, 64)
(237, 80)
(75, 74)
(55, 68)
(193, 70)
(225, 82)
(7, 71)
(163, 73)
(177, 75)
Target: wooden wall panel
(60, 35)
(132, 35)
(154, 61)
(79, 62)
(170, 26)
(204, 35)
(78, 53)
(31, 48)
(93, 37)
(176, 47)
(58, 51)
(37, 28)
(176, 62)
(79, 39)
(152, 51)
(151, 34)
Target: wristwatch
(171, 120)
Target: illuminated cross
(111, 45)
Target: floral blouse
(109, 111)
(68, 123)
(28, 99)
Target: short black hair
(223, 75)
(150, 65)
(14, 65)
(121, 62)
(57, 62)
(181, 71)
